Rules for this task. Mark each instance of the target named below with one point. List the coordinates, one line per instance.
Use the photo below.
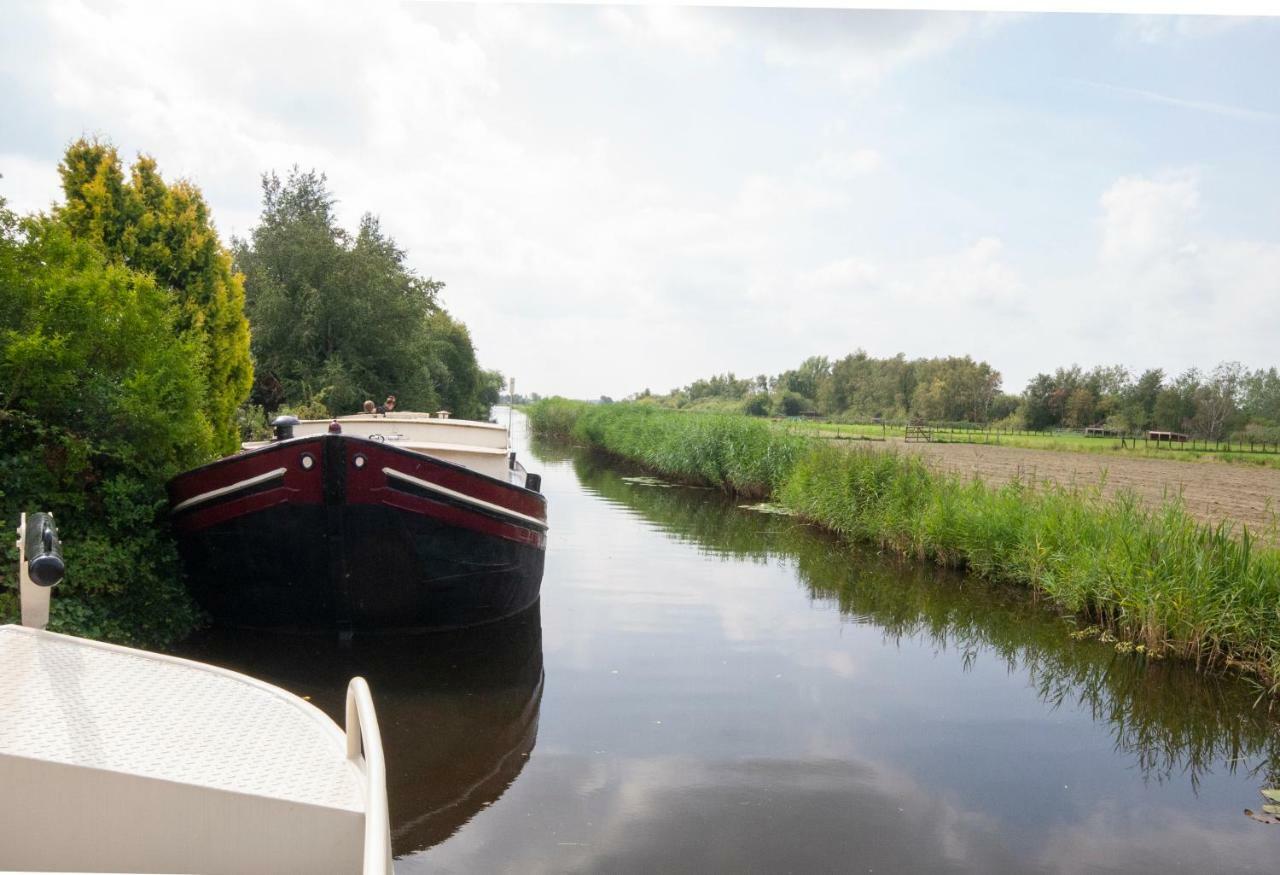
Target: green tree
(166, 230)
(1081, 408)
(1138, 405)
(1261, 400)
(1175, 406)
(101, 400)
(344, 317)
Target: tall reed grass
(1154, 577)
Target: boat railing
(364, 748)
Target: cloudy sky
(629, 197)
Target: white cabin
(480, 446)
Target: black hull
(401, 571)
(321, 549)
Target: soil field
(1212, 491)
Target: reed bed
(1153, 578)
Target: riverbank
(1159, 581)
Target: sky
(622, 197)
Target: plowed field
(1213, 491)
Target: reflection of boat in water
(458, 708)
(367, 522)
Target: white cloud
(28, 184)
(848, 165)
(624, 196)
(1165, 29)
(862, 49)
(1145, 220)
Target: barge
(364, 523)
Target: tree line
(339, 318)
(857, 386)
(1228, 401)
(135, 345)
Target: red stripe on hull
(460, 517)
(362, 485)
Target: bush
(101, 401)
(555, 417)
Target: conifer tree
(166, 230)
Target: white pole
(511, 406)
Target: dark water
(707, 688)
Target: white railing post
(364, 738)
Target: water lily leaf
(1272, 809)
(1273, 795)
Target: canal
(707, 687)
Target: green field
(1059, 441)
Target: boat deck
(183, 761)
(84, 704)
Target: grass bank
(1155, 579)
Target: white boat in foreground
(120, 760)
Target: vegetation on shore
(1155, 579)
(123, 357)
(126, 358)
(1230, 402)
(339, 318)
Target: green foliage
(166, 230)
(859, 387)
(253, 422)
(1153, 576)
(101, 400)
(345, 312)
(757, 404)
(555, 417)
(724, 450)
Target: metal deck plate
(98, 706)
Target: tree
(1261, 399)
(1175, 406)
(1217, 400)
(101, 400)
(1138, 404)
(1081, 408)
(343, 317)
(166, 230)
(1038, 403)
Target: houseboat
(364, 523)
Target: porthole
(359, 460)
(307, 461)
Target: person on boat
(369, 408)
(390, 406)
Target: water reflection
(1167, 719)
(458, 710)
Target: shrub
(101, 400)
